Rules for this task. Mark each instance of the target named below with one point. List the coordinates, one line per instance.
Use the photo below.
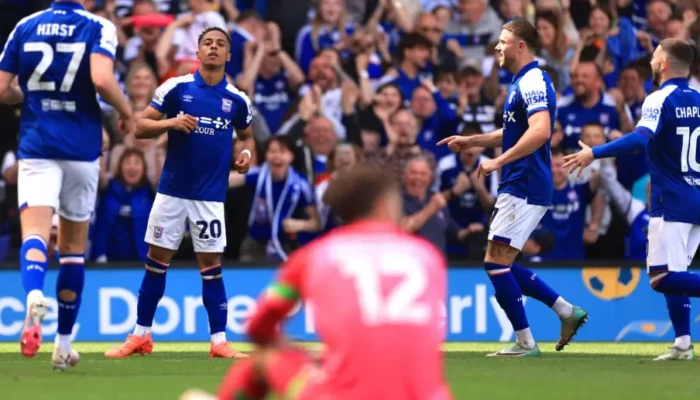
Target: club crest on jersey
(226, 105)
(604, 118)
(157, 232)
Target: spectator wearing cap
(567, 213)
(402, 130)
(477, 25)
(249, 28)
(271, 78)
(474, 106)
(437, 118)
(415, 51)
(590, 104)
(426, 212)
(473, 196)
(330, 28)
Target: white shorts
(70, 187)
(672, 245)
(513, 220)
(166, 224)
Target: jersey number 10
(689, 151)
(47, 55)
(401, 305)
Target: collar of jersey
(526, 68)
(675, 81)
(200, 81)
(74, 5)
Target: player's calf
(69, 290)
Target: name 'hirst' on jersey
(55, 30)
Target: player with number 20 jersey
(62, 56)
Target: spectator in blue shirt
(248, 29)
(122, 215)
(271, 78)
(566, 217)
(589, 104)
(415, 52)
(330, 27)
(437, 118)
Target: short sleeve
(244, 111)
(533, 89)
(163, 96)
(650, 123)
(9, 59)
(107, 39)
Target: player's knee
(159, 254)
(35, 255)
(654, 281)
(67, 295)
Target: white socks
(563, 308)
(63, 341)
(142, 330)
(217, 338)
(524, 337)
(682, 342)
(32, 295)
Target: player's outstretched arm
(152, 125)
(627, 144)
(534, 137)
(10, 93)
(457, 143)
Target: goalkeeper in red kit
(377, 295)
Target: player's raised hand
(488, 166)
(457, 143)
(184, 122)
(579, 160)
(242, 164)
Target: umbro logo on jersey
(187, 98)
(509, 116)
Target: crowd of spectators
(340, 82)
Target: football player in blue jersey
(668, 130)
(525, 189)
(202, 114)
(62, 57)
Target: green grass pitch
(587, 371)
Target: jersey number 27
(401, 305)
(47, 55)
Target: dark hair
(413, 40)
(557, 151)
(353, 194)
(605, 11)
(598, 69)
(395, 86)
(553, 75)
(471, 128)
(525, 31)
(283, 141)
(212, 29)
(680, 52)
(247, 15)
(593, 125)
(442, 72)
(128, 152)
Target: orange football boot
(134, 344)
(223, 350)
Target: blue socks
(33, 272)
(69, 290)
(215, 301)
(152, 290)
(508, 294)
(532, 286)
(679, 311)
(679, 283)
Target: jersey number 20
(47, 55)
(401, 305)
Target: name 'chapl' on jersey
(688, 112)
(55, 30)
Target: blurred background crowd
(340, 82)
